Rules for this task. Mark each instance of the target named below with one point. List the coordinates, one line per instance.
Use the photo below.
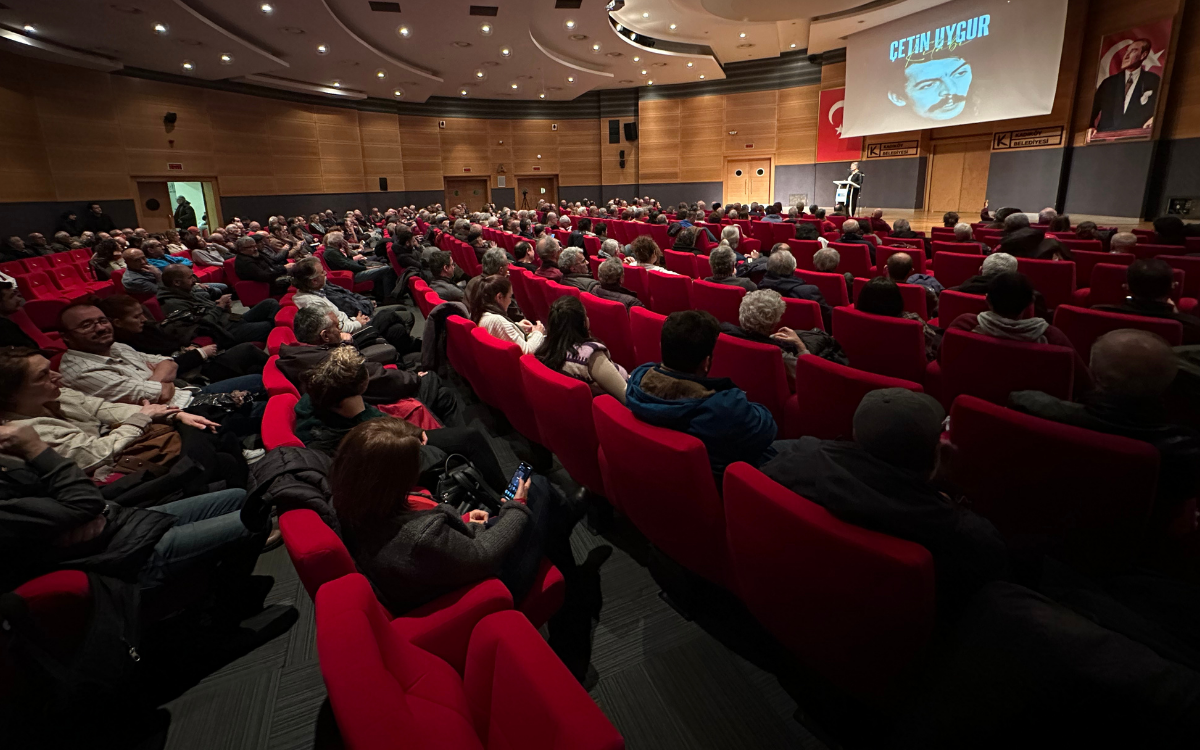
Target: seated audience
(1132, 371)
(879, 225)
(1122, 242)
(574, 265)
(1046, 216)
(184, 302)
(881, 296)
(16, 328)
(900, 270)
(950, 220)
(570, 349)
(852, 235)
(723, 262)
(548, 251)
(1150, 283)
(488, 299)
(523, 252)
(903, 230)
(341, 257)
(685, 241)
(134, 327)
(679, 395)
(994, 264)
(442, 268)
(254, 265)
(156, 255)
(610, 248)
(318, 333)
(1060, 224)
(886, 480)
(1170, 230)
(1009, 295)
(963, 234)
(413, 549)
(15, 249)
(781, 277)
(758, 321)
(140, 277)
(806, 230)
(211, 252)
(646, 254)
(391, 322)
(106, 258)
(611, 274)
(826, 260)
(1015, 222)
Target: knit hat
(900, 427)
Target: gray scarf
(1025, 329)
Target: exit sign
(749, 145)
(537, 169)
(466, 169)
(175, 166)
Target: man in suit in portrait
(1126, 99)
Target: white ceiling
(443, 54)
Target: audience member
(105, 259)
(758, 320)
(548, 251)
(881, 296)
(140, 278)
(826, 260)
(950, 220)
(723, 262)
(342, 257)
(569, 348)
(16, 328)
(488, 298)
(1170, 230)
(679, 395)
(878, 224)
(887, 481)
(646, 254)
(1150, 283)
(253, 265)
(611, 274)
(391, 322)
(1122, 242)
(963, 234)
(781, 277)
(574, 265)
(523, 252)
(852, 235)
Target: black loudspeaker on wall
(631, 131)
(383, 184)
(614, 131)
(622, 159)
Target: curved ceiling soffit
(768, 11)
(301, 87)
(378, 52)
(660, 51)
(41, 49)
(229, 34)
(566, 61)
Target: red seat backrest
(662, 481)
(645, 327)
(961, 248)
(756, 368)
(1075, 245)
(792, 558)
(38, 263)
(1055, 279)
(286, 316)
(1084, 326)
(856, 259)
(883, 254)
(37, 285)
(1191, 272)
(1148, 250)
(1108, 284)
(953, 269)
(636, 280)
(501, 361)
(703, 267)
(915, 299)
(832, 286)
(279, 336)
(459, 351)
(536, 291)
(553, 290)
(609, 322)
(991, 368)
(669, 292)
(803, 251)
(952, 304)
(317, 553)
(722, 300)
(828, 394)
(1091, 490)
(277, 384)
(1086, 260)
(801, 314)
(279, 422)
(658, 232)
(680, 262)
(563, 409)
(886, 346)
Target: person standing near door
(185, 215)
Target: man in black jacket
(781, 276)
(52, 517)
(180, 303)
(185, 215)
(884, 481)
(339, 257)
(851, 235)
(1150, 282)
(252, 265)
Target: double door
(747, 181)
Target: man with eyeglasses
(98, 366)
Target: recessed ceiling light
(539, 156)
(702, 76)
(742, 35)
(337, 84)
(505, 52)
(691, 64)
(649, 83)
(30, 29)
(462, 92)
(570, 79)
(266, 8)
(645, 15)
(542, 96)
(480, 75)
(569, 24)
(160, 28)
(463, 45)
(636, 58)
(322, 49)
(514, 85)
(793, 45)
(381, 73)
(595, 48)
(644, 72)
(486, 29)
(672, 27)
(403, 31)
(188, 65)
(227, 59)
(398, 93)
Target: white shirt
(1131, 79)
(121, 377)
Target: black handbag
(462, 486)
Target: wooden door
(541, 187)
(958, 173)
(154, 210)
(473, 191)
(747, 181)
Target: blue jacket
(730, 426)
(168, 260)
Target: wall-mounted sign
(537, 169)
(466, 169)
(175, 166)
(749, 145)
(894, 148)
(1031, 138)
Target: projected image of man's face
(936, 89)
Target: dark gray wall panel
(670, 194)
(259, 207)
(422, 198)
(1109, 179)
(1025, 179)
(574, 193)
(892, 183)
(1180, 175)
(504, 196)
(23, 218)
(824, 176)
(795, 179)
(627, 191)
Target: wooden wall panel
(419, 145)
(754, 116)
(1182, 118)
(796, 128)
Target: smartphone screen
(523, 472)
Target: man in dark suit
(1126, 99)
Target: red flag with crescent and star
(831, 146)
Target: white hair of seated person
(731, 235)
(962, 231)
(826, 260)
(1122, 242)
(781, 263)
(998, 263)
(761, 311)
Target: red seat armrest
(443, 626)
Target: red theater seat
(279, 422)
(669, 292)
(249, 292)
(59, 606)
(855, 259)
(885, 346)
(609, 322)
(884, 254)
(389, 690)
(563, 408)
(1084, 326)
(662, 481)
(459, 350)
(832, 286)
(681, 263)
(801, 314)
(951, 304)
(991, 368)
(1055, 279)
(855, 605)
(915, 298)
(279, 336)
(803, 251)
(756, 368)
(953, 269)
(1108, 286)
(500, 362)
(722, 300)
(645, 328)
(827, 395)
(1191, 272)
(1086, 260)
(1087, 491)
(274, 380)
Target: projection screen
(961, 62)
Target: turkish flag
(831, 146)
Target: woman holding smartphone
(413, 549)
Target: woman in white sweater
(487, 299)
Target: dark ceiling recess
(385, 7)
(484, 10)
(568, 4)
